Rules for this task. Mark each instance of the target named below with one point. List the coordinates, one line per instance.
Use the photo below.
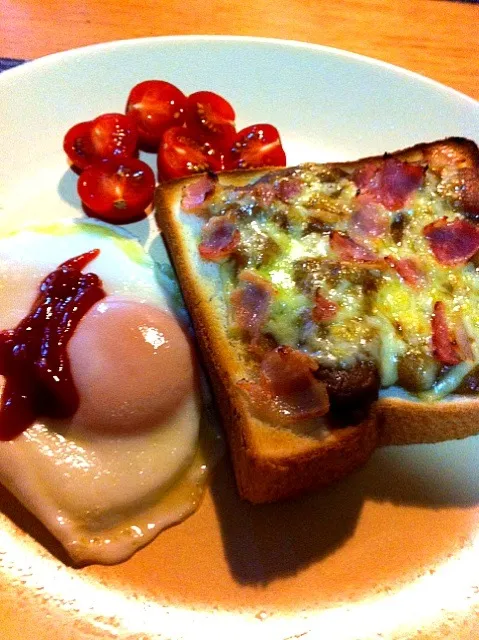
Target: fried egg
(127, 464)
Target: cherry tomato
(78, 146)
(114, 136)
(258, 146)
(108, 137)
(117, 192)
(208, 114)
(182, 153)
(155, 106)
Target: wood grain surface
(436, 38)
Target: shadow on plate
(264, 542)
(67, 188)
(28, 523)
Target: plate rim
(52, 58)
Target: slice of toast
(272, 462)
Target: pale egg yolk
(132, 365)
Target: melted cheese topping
(380, 316)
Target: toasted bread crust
(402, 421)
(273, 463)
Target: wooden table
(433, 37)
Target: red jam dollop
(33, 356)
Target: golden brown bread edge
(273, 463)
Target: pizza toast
(326, 301)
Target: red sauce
(33, 356)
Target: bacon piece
(399, 181)
(452, 242)
(287, 391)
(444, 346)
(366, 177)
(407, 268)
(349, 250)
(250, 302)
(324, 309)
(288, 189)
(219, 238)
(286, 371)
(370, 219)
(264, 193)
(197, 192)
(390, 181)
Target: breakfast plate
(389, 552)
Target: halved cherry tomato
(111, 136)
(117, 192)
(155, 106)
(78, 146)
(208, 114)
(182, 153)
(258, 146)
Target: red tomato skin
(155, 105)
(78, 146)
(182, 153)
(209, 114)
(111, 136)
(117, 192)
(114, 136)
(258, 145)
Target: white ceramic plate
(390, 552)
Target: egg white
(102, 496)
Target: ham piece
(288, 189)
(444, 345)
(250, 303)
(369, 220)
(219, 238)
(264, 194)
(197, 192)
